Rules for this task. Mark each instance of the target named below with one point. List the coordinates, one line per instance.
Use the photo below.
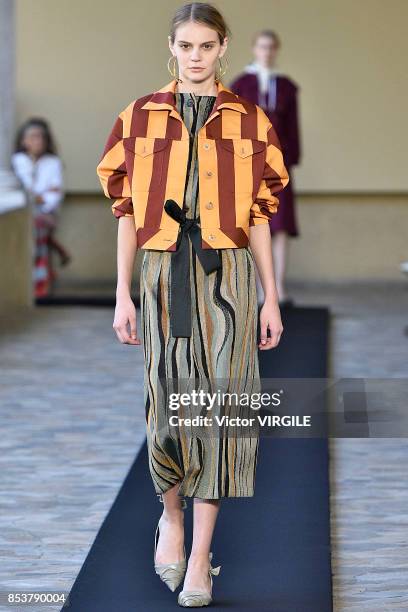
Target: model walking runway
(222, 346)
(194, 171)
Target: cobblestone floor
(369, 492)
(72, 420)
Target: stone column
(16, 241)
(11, 194)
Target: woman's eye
(185, 46)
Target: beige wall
(81, 62)
(343, 237)
(350, 238)
(15, 262)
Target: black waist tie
(180, 290)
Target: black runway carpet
(274, 548)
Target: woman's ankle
(199, 558)
(173, 516)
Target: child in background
(39, 169)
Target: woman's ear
(224, 46)
(170, 44)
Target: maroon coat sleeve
(235, 86)
(293, 152)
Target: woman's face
(197, 49)
(265, 50)
(33, 141)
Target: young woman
(194, 171)
(39, 169)
(277, 94)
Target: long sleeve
(54, 192)
(234, 85)
(43, 177)
(293, 138)
(275, 178)
(23, 169)
(112, 173)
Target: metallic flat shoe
(197, 599)
(170, 573)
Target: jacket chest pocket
(242, 161)
(145, 160)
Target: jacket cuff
(123, 207)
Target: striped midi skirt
(222, 347)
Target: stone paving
(72, 421)
(369, 492)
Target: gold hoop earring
(173, 72)
(222, 71)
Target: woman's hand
(269, 316)
(125, 313)
(47, 219)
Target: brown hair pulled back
(200, 12)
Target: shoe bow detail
(214, 570)
(195, 599)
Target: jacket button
(206, 146)
(209, 173)
(211, 237)
(209, 205)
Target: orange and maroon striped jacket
(240, 163)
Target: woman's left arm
(53, 195)
(275, 178)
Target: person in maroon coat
(276, 94)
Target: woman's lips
(196, 68)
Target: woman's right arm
(114, 180)
(125, 311)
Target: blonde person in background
(262, 83)
(40, 171)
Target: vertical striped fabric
(223, 346)
(241, 168)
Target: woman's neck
(264, 67)
(205, 88)
(34, 156)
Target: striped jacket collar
(164, 98)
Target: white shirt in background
(266, 81)
(40, 177)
